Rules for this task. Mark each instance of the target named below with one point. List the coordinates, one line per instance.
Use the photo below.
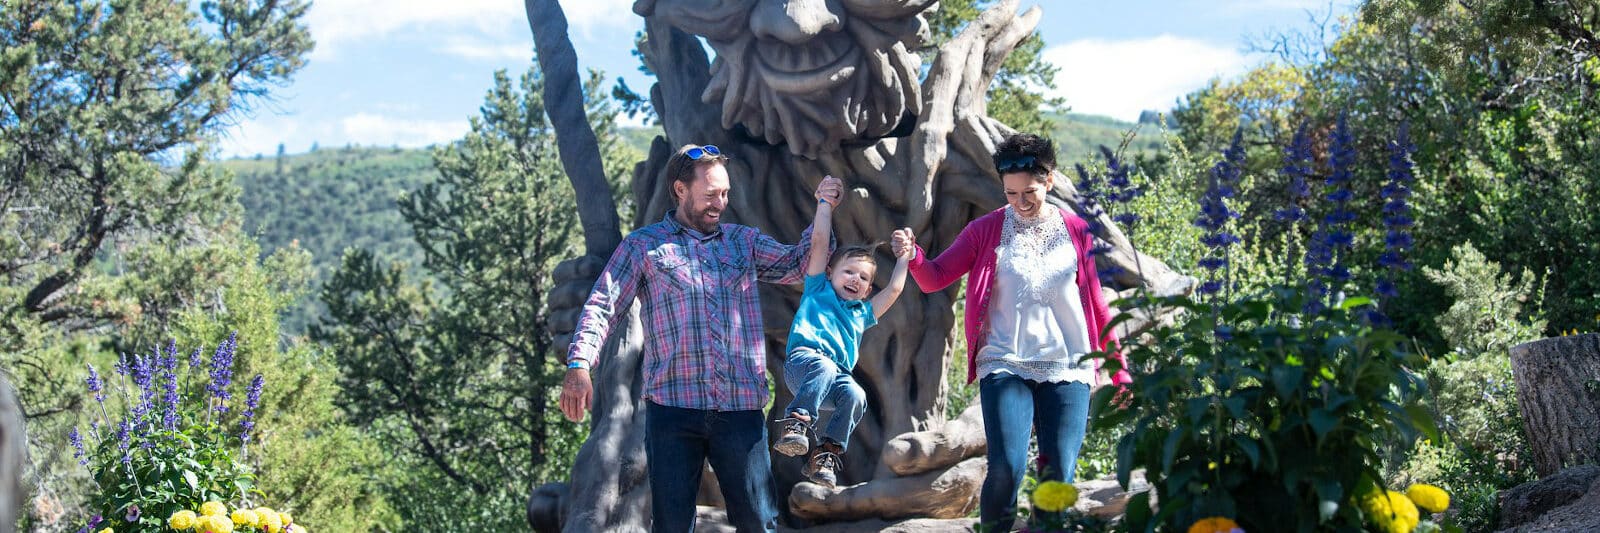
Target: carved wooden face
(812, 73)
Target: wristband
(577, 365)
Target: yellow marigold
(1391, 511)
(213, 509)
(1215, 524)
(1429, 498)
(270, 519)
(286, 519)
(245, 518)
(216, 524)
(1053, 496)
(107, 530)
(182, 520)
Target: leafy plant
(174, 438)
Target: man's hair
(681, 169)
(1020, 147)
(863, 251)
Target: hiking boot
(793, 443)
(822, 466)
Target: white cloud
(381, 130)
(262, 135)
(479, 50)
(473, 29)
(1122, 78)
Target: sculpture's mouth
(819, 65)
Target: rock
(925, 451)
(1104, 498)
(1529, 503)
(715, 520)
(952, 493)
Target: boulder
(1570, 494)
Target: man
(704, 358)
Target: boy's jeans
(817, 383)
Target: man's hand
(577, 394)
(904, 243)
(831, 190)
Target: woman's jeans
(818, 383)
(1012, 407)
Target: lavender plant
(1215, 216)
(172, 461)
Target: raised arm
(821, 230)
(891, 292)
(780, 263)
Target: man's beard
(697, 218)
(819, 95)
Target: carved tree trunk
(1558, 390)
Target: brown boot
(823, 464)
(794, 442)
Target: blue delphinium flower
(1123, 191)
(1215, 215)
(1297, 167)
(1326, 252)
(97, 386)
(222, 373)
(77, 446)
(252, 398)
(1396, 216)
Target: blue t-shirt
(829, 324)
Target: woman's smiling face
(1025, 192)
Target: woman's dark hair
(1025, 152)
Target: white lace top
(1037, 328)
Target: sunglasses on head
(1013, 164)
(697, 153)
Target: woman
(1033, 311)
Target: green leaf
(1323, 421)
(1169, 447)
(1250, 448)
(194, 482)
(1354, 302)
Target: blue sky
(410, 72)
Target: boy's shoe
(794, 442)
(822, 466)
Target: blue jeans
(1012, 407)
(679, 441)
(817, 383)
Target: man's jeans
(680, 441)
(816, 381)
(1013, 406)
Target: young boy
(833, 313)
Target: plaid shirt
(704, 346)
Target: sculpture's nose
(796, 21)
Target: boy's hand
(904, 244)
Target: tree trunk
(1558, 390)
(13, 456)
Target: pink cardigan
(973, 254)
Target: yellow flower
(1428, 497)
(270, 520)
(213, 509)
(1391, 511)
(182, 520)
(107, 530)
(287, 520)
(222, 524)
(1215, 524)
(1053, 496)
(245, 517)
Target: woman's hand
(904, 243)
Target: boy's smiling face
(851, 277)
